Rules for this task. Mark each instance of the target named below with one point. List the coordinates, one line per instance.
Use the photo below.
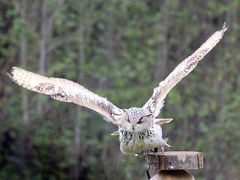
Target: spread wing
(155, 103)
(65, 90)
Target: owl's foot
(155, 150)
(146, 152)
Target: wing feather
(65, 90)
(183, 69)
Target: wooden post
(172, 165)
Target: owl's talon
(162, 149)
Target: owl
(139, 128)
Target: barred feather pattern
(64, 90)
(137, 142)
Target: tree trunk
(48, 13)
(43, 46)
(77, 125)
(23, 60)
(162, 48)
(24, 94)
(110, 48)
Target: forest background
(119, 49)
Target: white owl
(138, 128)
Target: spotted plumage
(139, 129)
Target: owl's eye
(148, 116)
(140, 121)
(128, 120)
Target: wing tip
(11, 73)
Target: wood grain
(175, 160)
(173, 175)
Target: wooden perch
(172, 164)
(175, 160)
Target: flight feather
(64, 90)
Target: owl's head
(136, 119)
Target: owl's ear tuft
(163, 121)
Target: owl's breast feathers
(137, 142)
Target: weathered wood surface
(173, 175)
(175, 160)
